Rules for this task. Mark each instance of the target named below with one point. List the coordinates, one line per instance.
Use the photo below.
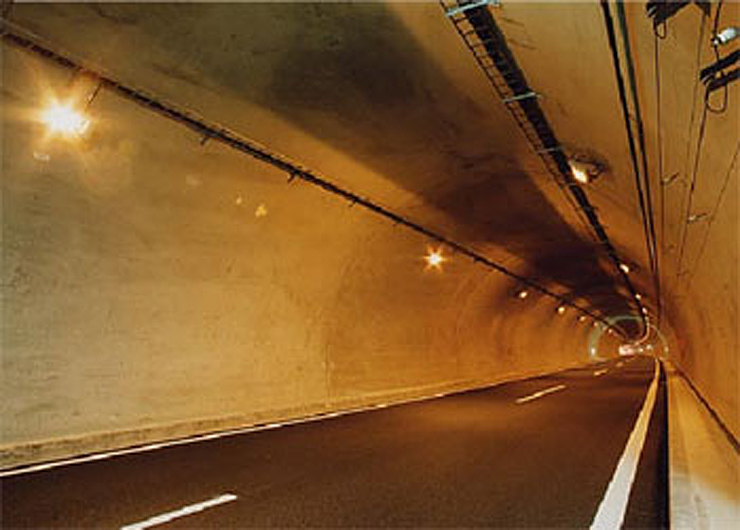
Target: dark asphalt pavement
(477, 458)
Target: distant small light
(582, 318)
(638, 296)
(644, 310)
(523, 294)
(580, 175)
(625, 268)
(561, 310)
(261, 211)
(64, 120)
(434, 258)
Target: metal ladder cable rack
(475, 42)
(23, 39)
(478, 29)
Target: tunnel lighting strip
(531, 119)
(249, 147)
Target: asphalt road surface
(535, 453)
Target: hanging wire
(697, 68)
(713, 213)
(622, 90)
(659, 139)
(648, 196)
(692, 187)
(715, 47)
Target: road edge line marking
(208, 436)
(613, 507)
(180, 512)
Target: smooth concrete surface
(571, 56)
(436, 463)
(150, 280)
(704, 466)
(23, 455)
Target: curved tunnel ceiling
(357, 78)
(387, 101)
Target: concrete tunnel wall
(154, 288)
(141, 292)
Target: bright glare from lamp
(638, 296)
(580, 175)
(64, 120)
(561, 310)
(625, 268)
(434, 258)
(523, 294)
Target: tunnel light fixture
(625, 268)
(638, 296)
(582, 318)
(523, 294)
(561, 310)
(64, 120)
(580, 175)
(726, 35)
(434, 258)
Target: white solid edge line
(539, 394)
(203, 437)
(182, 512)
(230, 432)
(613, 507)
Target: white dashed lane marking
(181, 512)
(539, 394)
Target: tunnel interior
(158, 282)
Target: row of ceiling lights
(435, 259)
(63, 119)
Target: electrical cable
(689, 132)
(514, 90)
(706, 108)
(692, 187)
(659, 140)
(715, 47)
(713, 214)
(654, 262)
(235, 141)
(611, 36)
